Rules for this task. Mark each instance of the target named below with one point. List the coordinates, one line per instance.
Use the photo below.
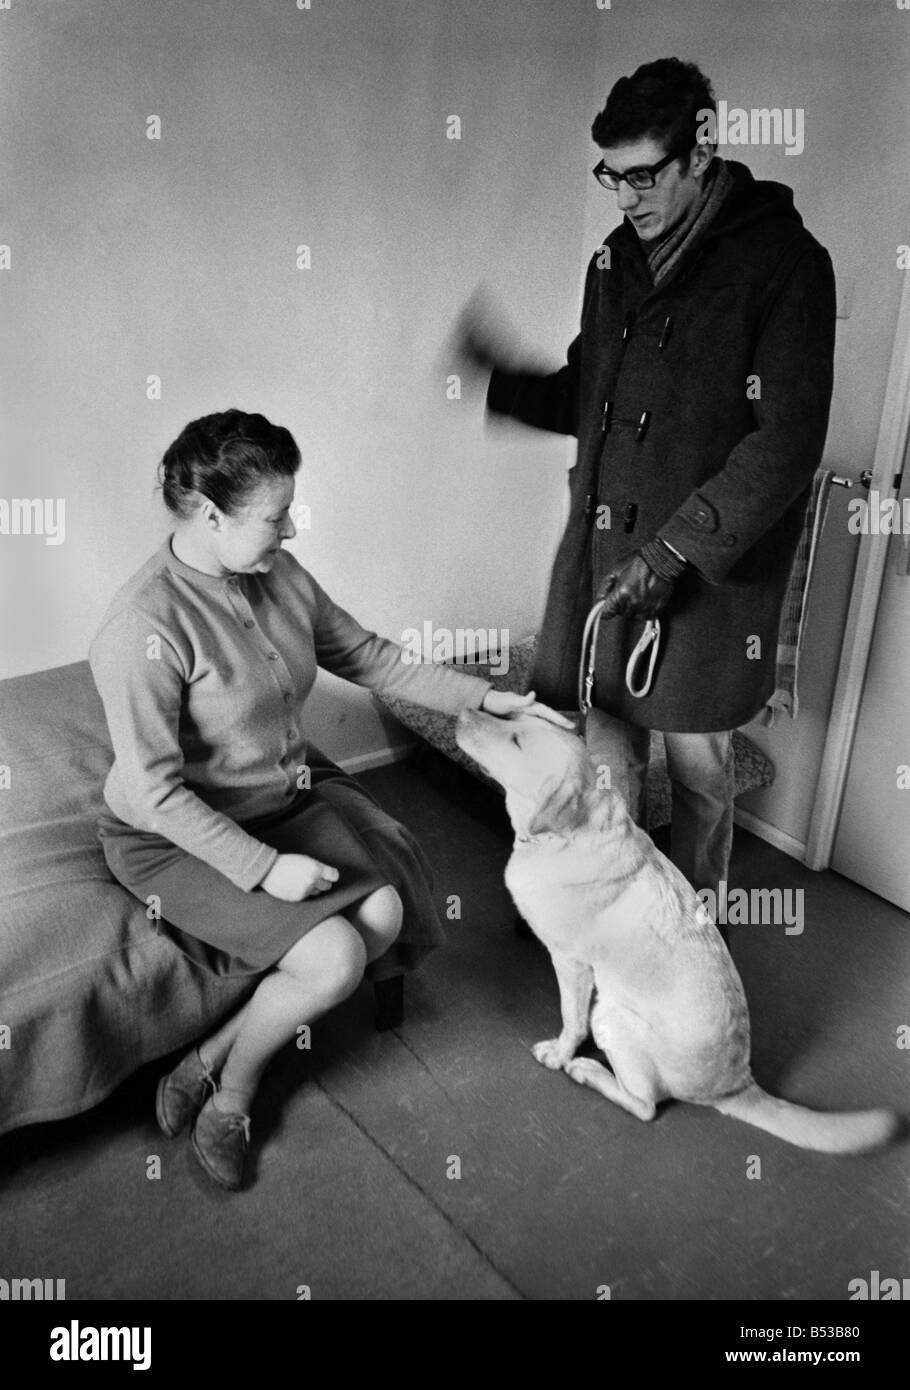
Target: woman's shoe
(182, 1093)
(220, 1142)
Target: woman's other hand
(505, 703)
(294, 877)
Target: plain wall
(133, 257)
(327, 127)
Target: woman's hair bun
(225, 457)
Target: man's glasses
(640, 178)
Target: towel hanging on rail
(793, 613)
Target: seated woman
(204, 661)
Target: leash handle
(586, 677)
(650, 637)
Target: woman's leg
(318, 972)
(213, 1051)
(378, 920)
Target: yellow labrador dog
(620, 920)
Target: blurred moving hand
(481, 339)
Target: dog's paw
(553, 1053)
(585, 1070)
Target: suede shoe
(220, 1142)
(182, 1093)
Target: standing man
(698, 388)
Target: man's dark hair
(225, 457)
(661, 102)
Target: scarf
(667, 252)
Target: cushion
(88, 990)
(752, 767)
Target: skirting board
(363, 762)
(765, 831)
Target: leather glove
(633, 590)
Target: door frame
(859, 628)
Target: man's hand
(633, 590)
(479, 342)
(505, 703)
(294, 877)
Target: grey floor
(359, 1140)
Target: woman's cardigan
(204, 681)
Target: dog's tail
(848, 1132)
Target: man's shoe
(182, 1093)
(220, 1142)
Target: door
(872, 843)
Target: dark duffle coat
(657, 389)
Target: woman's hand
(294, 877)
(505, 703)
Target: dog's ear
(563, 807)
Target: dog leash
(649, 638)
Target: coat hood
(752, 200)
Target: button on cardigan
(204, 681)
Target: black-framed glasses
(642, 177)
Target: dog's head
(547, 774)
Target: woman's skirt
(231, 932)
